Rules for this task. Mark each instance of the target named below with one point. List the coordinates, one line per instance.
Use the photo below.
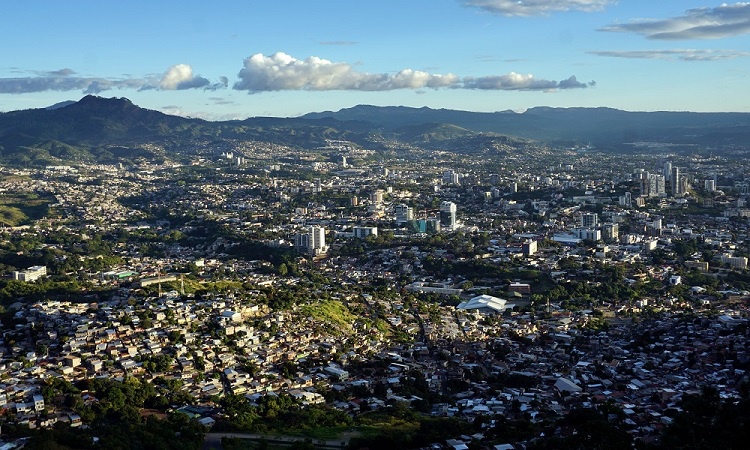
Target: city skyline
(285, 59)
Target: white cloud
(674, 54)
(177, 77)
(520, 82)
(281, 72)
(180, 76)
(537, 7)
(726, 20)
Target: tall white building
(667, 171)
(313, 242)
(451, 177)
(676, 181)
(653, 185)
(403, 213)
(626, 199)
(610, 231)
(448, 215)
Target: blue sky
(237, 59)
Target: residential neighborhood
(517, 290)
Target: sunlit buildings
(313, 242)
(448, 215)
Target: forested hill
(596, 126)
(109, 130)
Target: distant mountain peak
(60, 105)
(100, 101)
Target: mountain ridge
(99, 129)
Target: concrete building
(529, 247)
(610, 231)
(589, 220)
(485, 304)
(33, 273)
(404, 214)
(363, 232)
(313, 242)
(448, 215)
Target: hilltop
(110, 130)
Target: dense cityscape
(256, 296)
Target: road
(212, 441)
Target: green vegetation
(399, 427)
(114, 418)
(278, 414)
(22, 208)
(333, 313)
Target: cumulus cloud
(537, 7)
(674, 54)
(281, 72)
(726, 20)
(177, 77)
(520, 82)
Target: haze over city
(243, 59)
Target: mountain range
(96, 129)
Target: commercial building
(33, 273)
(448, 215)
(313, 242)
(404, 214)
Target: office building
(667, 171)
(676, 181)
(610, 231)
(313, 242)
(363, 232)
(448, 215)
(451, 178)
(403, 214)
(589, 220)
(33, 273)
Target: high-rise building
(610, 231)
(676, 181)
(529, 247)
(403, 213)
(313, 242)
(589, 220)
(656, 185)
(448, 215)
(451, 177)
(377, 197)
(667, 171)
(709, 185)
